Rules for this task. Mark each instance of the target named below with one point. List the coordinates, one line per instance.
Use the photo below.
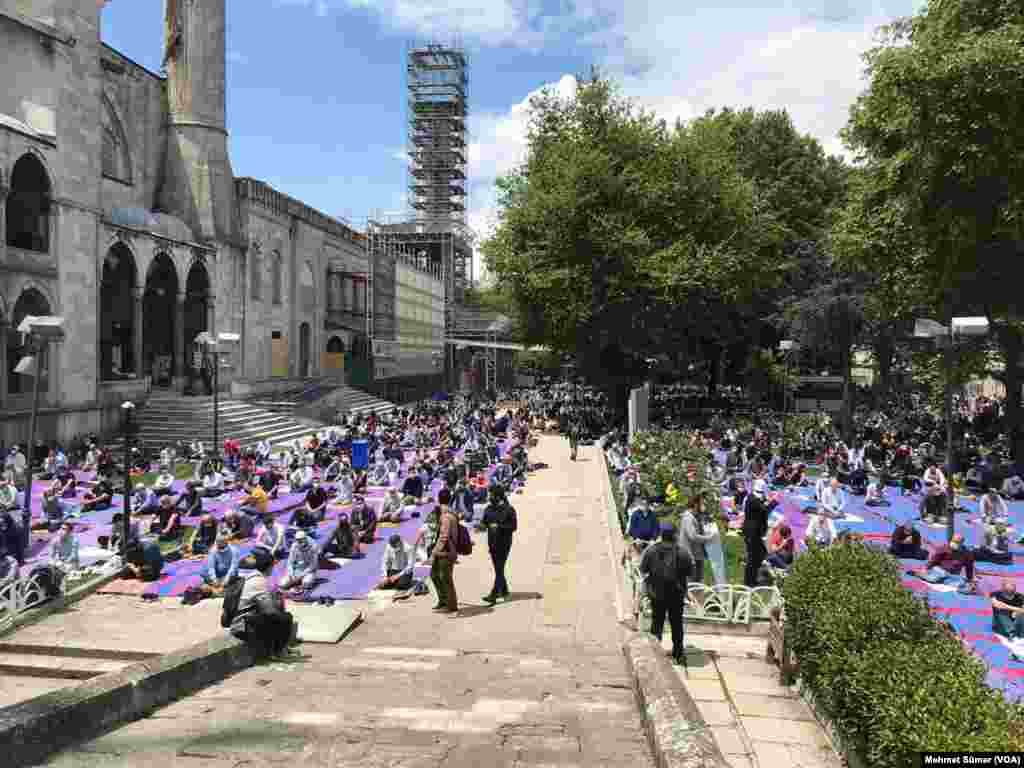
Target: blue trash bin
(360, 454)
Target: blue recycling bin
(360, 454)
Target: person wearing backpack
(444, 555)
(665, 568)
(254, 613)
(501, 522)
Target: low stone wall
(242, 388)
(32, 730)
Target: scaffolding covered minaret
(438, 79)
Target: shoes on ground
(490, 599)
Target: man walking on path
(574, 435)
(665, 568)
(501, 522)
(755, 526)
(444, 556)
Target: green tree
(940, 132)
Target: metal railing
(18, 596)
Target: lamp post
(126, 519)
(212, 345)
(945, 336)
(37, 332)
(785, 346)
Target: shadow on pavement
(474, 610)
(515, 597)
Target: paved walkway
(538, 681)
(757, 722)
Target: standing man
(755, 526)
(665, 567)
(443, 557)
(574, 435)
(501, 522)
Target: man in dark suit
(755, 527)
(665, 568)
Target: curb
(32, 730)
(676, 731)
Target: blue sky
(315, 87)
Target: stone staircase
(167, 418)
(322, 397)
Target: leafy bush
(669, 457)
(890, 677)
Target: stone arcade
(121, 213)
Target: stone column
(211, 316)
(179, 340)
(3, 358)
(137, 331)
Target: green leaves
(890, 677)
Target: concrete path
(757, 722)
(537, 681)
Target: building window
(256, 277)
(275, 278)
(28, 206)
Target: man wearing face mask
(316, 501)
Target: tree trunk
(714, 372)
(846, 420)
(885, 351)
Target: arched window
(335, 346)
(115, 156)
(256, 275)
(28, 206)
(275, 277)
(30, 302)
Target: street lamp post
(785, 345)
(126, 519)
(37, 331)
(946, 336)
(212, 344)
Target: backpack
(232, 596)
(463, 541)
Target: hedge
(891, 678)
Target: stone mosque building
(119, 212)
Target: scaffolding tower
(437, 79)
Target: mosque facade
(121, 213)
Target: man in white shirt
(821, 531)
(397, 564)
(833, 499)
(64, 552)
(934, 504)
(213, 484)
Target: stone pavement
(537, 681)
(757, 722)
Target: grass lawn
(181, 472)
(170, 546)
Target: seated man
(162, 484)
(167, 524)
(238, 525)
(643, 524)
(833, 500)
(906, 542)
(364, 521)
(303, 561)
(397, 564)
(303, 520)
(269, 481)
(64, 552)
(213, 483)
(117, 531)
(300, 478)
(819, 487)
(378, 475)
(876, 494)
(333, 470)
(203, 537)
(56, 509)
(262, 452)
(145, 501)
(260, 619)
(145, 561)
(271, 537)
(996, 546)
(346, 488)
(316, 502)
(255, 501)
(67, 484)
(993, 507)
(393, 506)
(413, 486)
(340, 542)
(100, 497)
(781, 547)
(394, 466)
(1013, 487)
(503, 472)
(821, 531)
(1008, 611)
(190, 503)
(945, 565)
(221, 566)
